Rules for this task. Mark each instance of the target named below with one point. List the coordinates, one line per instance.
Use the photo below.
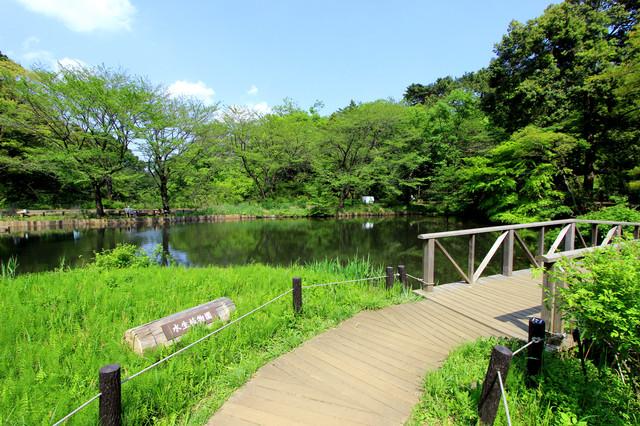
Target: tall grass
(8, 270)
(61, 327)
(562, 397)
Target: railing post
(540, 251)
(558, 321)
(110, 410)
(636, 232)
(402, 275)
(428, 263)
(534, 352)
(390, 277)
(594, 234)
(507, 254)
(297, 295)
(471, 259)
(547, 295)
(570, 237)
(490, 396)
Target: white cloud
(253, 90)
(69, 63)
(86, 15)
(47, 60)
(197, 90)
(41, 57)
(260, 108)
(30, 42)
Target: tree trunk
(97, 193)
(589, 175)
(164, 195)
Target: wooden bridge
(369, 369)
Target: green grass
(60, 327)
(561, 397)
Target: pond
(384, 241)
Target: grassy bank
(60, 327)
(562, 396)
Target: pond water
(384, 241)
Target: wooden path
(369, 369)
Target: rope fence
(504, 399)
(297, 302)
(493, 387)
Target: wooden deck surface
(369, 369)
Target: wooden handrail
(507, 237)
(502, 228)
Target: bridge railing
(508, 237)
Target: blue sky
(258, 52)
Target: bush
(123, 256)
(603, 299)
(619, 212)
(561, 396)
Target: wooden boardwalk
(369, 369)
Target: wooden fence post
(540, 248)
(570, 237)
(490, 396)
(428, 264)
(297, 295)
(110, 411)
(390, 277)
(471, 258)
(402, 275)
(534, 351)
(548, 291)
(636, 232)
(507, 253)
(594, 234)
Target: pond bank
(18, 226)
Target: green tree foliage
(349, 160)
(548, 129)
(172, 139)
(272, 148)
(522, 179)
(91, 118)
(555, 71)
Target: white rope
(504, 399)
(68, 416)
(190, 345)
(343, 282)
(416, 278)
(533, 340)
(218, 330)
(144, 370)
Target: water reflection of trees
(391, 241)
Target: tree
(91, 117)
(173, 139)
(552, 71)
(348, 160)
(472, 82)
(272, 148)
(525, 178)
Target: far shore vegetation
(548, 129)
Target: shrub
(122, 256)
(603, 299)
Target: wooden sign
(168, 330)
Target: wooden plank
(452, 261)
(368, 370)
(559, 239)
(489, 255)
